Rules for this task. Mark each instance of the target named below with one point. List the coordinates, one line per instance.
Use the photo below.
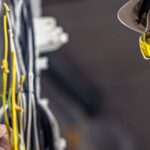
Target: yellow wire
(6, 31)
(5, 71)
(14, 106)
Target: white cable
(31, 96)
(24, 104)
(59, 143)
(28, 139)
(17, 28)
(32, 89)
(35, 124)
(31, 85)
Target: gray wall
(108, 54)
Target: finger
(3, 130)
(1, 148)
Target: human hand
(4, 141)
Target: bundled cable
(23, 111)
(14, 107)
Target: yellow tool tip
(145, 45)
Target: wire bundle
(33, 125)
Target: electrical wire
(14, 144)
(23, 104)
(5, 71)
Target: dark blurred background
(98, 83)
